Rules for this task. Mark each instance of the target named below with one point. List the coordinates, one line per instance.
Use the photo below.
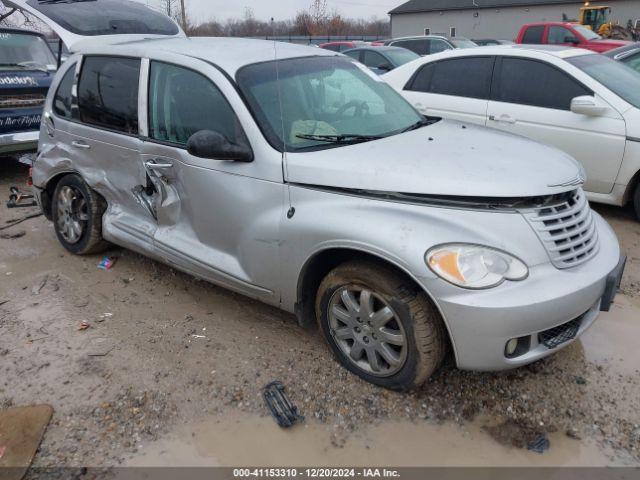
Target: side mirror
(385, 66)
(587, 105)
(215, 146)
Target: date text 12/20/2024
(315, 473)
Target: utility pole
(184, 16)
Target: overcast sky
(203, 10)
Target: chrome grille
(24, 100)
(567, 229)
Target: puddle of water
(613, 338)
(257, 441)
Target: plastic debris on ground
(107, 263)
(539, 445)
(283, 411)
(84, 326)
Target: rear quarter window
(108, 93)
(62, 101)
(533, 35)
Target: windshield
(617, 77)
(24, 49)
(328, 97)
(105, 17)
(401, 56)
(587, 32)
(463, 43)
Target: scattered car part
(539, 445)
(17, 199)
(283, 411)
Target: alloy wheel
(72, 214)
(368, 331)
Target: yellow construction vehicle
(598, 19)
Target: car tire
(77, 216)
(393, 326)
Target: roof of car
(618, 52)
(230, 54)
(420, 37)
(381, 48)
(557, 51)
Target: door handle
(503, 119)
(83, 145)
(158, 166)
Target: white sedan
(578, 101)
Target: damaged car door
(208, 194)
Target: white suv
(578, 101)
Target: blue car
(27, 66)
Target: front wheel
(77, 216)
(380, 325)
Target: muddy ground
(170, 372)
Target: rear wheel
(379, 325)
(77, 216)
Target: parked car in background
(568, 34)
(399, 236)
(580, 102)
(27, 66)
(629, 55)
(342, 46)
(382, 59)
(430, 44)
(490, 42)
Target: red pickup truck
(564, 33)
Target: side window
(438, 46)
(558, 35)
(373, 59)
(422, 79)
(343, 47)
(355, 54)
(463, 77)
(538, 84)
(62, 100)
(108, 93)
(183, 102)
(533, 35)
(421, 47)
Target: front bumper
(563, 302)
(19, 141)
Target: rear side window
(62, 100)
(355, 54)
(183, 102)
(529, 82)
(108, 93)
(533, 35)
(421, 47)
(462, 77)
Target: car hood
(447, 158)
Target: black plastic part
(613, 285)
(554, 337)
(539, 445)
(283, 411)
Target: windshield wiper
(32, 65)
(340, 138)
(419, 124)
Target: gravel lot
(166, 354)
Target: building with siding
(499, 19)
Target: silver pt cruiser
(294, 176)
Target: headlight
(474, 266)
